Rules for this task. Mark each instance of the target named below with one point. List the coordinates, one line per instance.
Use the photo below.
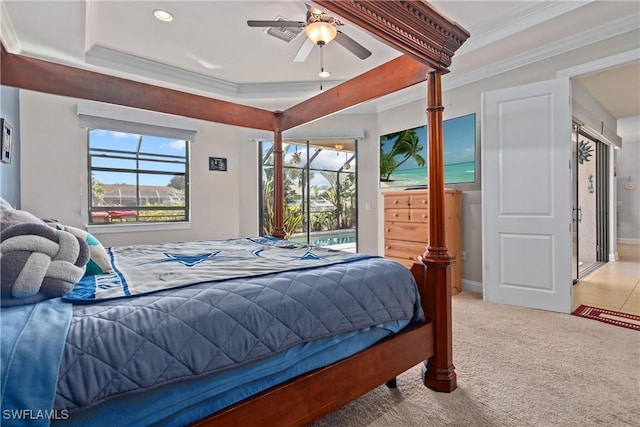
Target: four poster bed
(428, 41)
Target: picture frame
(218, 164)
(5, 142)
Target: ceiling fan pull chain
(321, 64)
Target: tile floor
(615, 285)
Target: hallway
(614, 286)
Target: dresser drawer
(397, 215)
(419, 215)
(420, 201)
(404, 200)
(413, 232)
(396, 201)
(406, 228)
(403, 250)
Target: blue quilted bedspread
(133, 344)
(143, 269)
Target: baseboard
(628, 241)
(471, 286)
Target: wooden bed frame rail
(318, 393)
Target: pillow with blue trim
(99, 262)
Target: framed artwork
(217, 164)
(5, 155)
(404, 155)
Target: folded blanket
(38, 262)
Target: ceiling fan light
(324, 74)
(321, 32)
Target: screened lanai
(320, 189)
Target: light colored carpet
(516, 367)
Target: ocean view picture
(404, 156)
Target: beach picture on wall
(404, 157)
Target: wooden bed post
(278, 184)
(439, 374)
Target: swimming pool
(327, 238)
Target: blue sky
(126, 141)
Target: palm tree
(408, 145)
(387, 165)
(292, 216)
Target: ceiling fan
(320, 29)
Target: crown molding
(602, 64)
(8, 34)
(415, 28)
(517, 19)
(114, 59)
(90, 23)
(284, 89)
(595, 35)
(106, 57)
(603, 32)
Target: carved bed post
(278, 183)
(440, 373)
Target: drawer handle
(388, 230)
(395, 202)
(396, 215)
(424, 215)
(387, 247)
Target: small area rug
(625, 320)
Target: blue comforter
(151, 341)
(145, 342)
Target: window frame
(137, 156)
(98, 115)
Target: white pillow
(15, 217)
(5, 206)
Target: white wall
(10, 172)
(628, 170)
(54, 173)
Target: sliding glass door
(320, 192)
(591, 195)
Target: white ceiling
(209, 49)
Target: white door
(526, 195)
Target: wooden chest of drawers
(406, 228)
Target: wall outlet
(463, 255)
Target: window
(319, 190)
(137, 178)
(138, 165)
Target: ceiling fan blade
(352, 46)
(304, 51)
(276, 23)
(313, 9)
